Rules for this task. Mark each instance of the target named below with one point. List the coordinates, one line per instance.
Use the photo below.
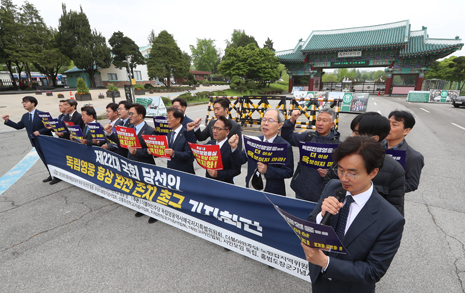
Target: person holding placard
(308, 182)
(231, 163)
(89, 115)
(274, 174)
(34, 127)
(369, 227)
(182, 158)
(113, 116)
(112, 136)
(72, 116)
(181, 104)
(137, 114)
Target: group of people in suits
(370, 218)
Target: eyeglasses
(217, 128)
(269, 120)
(132, 113)
(349, 176)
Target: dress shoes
(55, 181)
(152, 220)
(138, 215)
(48, 179)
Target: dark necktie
(30, 122)
(342, 220)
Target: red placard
(68, 123)
(127, 137)
(208, 156)
(157, 144)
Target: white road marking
(458, 126)
(425, 110)
(375, 103)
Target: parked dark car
(459, 101)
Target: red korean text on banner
(127, 137)
(157, 144)
(208, 156)
(68, 123)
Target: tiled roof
(390, 34)
(419, 43)
(293, 55)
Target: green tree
(234, 38)
(442, 70)
(152, 36)
(269, 44)
(458, 67)
(251, 62)
(379, 74)
(9, 36)
(365, 76)
(166, 59)
(204, 55)
(76, 40)
(122, 46)
(329, 77)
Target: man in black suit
(137, 114)
(89, 115)
(231, 165)
(220, 108)
(369, 227)
(63, 112)
(72, 116)
(275, 174)
(401, 124)
(112, 115)
(34, 127)
(112, 136)
(181, 104)
(182, 158)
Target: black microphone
(340, 195)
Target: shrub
(112, 87)
(138, 87)
(251, 85)
(242, 89)
(148, 86)
(166, 101)
(81, 86)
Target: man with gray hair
(308, 182)
(272, 121)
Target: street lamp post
(127, 61)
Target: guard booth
(407, 54)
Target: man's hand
(105, 146)
(322, 172)
(48, 127)
(294, 115)
(262, 167)
(6, 117)
(59, 133)
(95, 141)
(36, 133)
(315, 256)
(212, 173)
(233, 141)
(108, 128)
(331, 205)
(83, 141)
(132, 150)
(169, 152)
(190, 126)
(197, 122)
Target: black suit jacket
(275, 174)
(114, 138)
(141, 154)
(372, 240)
(185, 121)
(76, 119)
(183, 158)
(231, 165)
(208, 132)
(88, 136)
(36, 125)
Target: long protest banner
(240, 219)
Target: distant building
(198, 75)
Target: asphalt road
(64, 239)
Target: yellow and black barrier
(245, 107)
